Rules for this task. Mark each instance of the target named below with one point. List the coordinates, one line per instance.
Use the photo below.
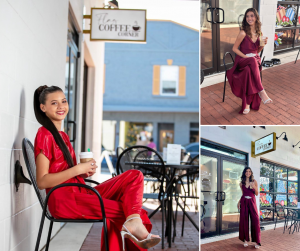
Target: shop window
(287, 20)
(278, 184)
(194, 133)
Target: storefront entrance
(221, 169)
(219, 29)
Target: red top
(45, 143)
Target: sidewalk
(189, 241)
(282, 85)
(270, 239)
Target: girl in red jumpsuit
(56, 164)
(247, 206)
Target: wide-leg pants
(122, 196)
(245, 82)
(249, 209)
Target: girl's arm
(239, 203)
(47, 180)
(255, 186)
(237, 43)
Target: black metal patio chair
(297, 56)
(191, 177)
(225, 54)
(295, 221)
(151, 164)
(279, 213)
(28, 153)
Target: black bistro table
(172, 170)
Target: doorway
(71, 81)
(220, 192)
(165, 134)
(220, 21)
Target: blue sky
(186, 12)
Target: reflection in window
(293, 175)
(286, 39)
(266, 169)
(266, 184)
(266, 199)
(293, 187)
(266, 215)
(297, 37)
(293, 200)
(280, 186)
(281, 199)
(280, 172)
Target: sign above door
(119, 25)
(263, 145)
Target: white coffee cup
(85, 156)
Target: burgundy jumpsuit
(244, 76)
(248, 208)
(122, 195)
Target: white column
(267, 12)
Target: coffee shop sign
(117, 25)
(263, 145)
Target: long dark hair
(40, 96)
(246, 26)
(243, 177)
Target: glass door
(231, 193)
(220, 193)
(209, 189)
(220, 25)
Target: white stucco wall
(33, 53)
(240, 137)
(267, 12)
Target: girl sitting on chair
(244, 76)
(56, 164)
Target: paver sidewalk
(190, 240)
(271, 240)
(282, 83)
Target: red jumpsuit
(244, 76)
(122, 195)
(248, 208)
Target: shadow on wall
(19, 226)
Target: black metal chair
(119, 150)
(28, 153)
(151, 164)
(191, 176)
(279, 213)
(295, 221)
(297, 56)
(225, 54)
(202, 76)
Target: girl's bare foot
(136, 228)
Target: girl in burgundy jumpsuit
(248, 208)
(122, 195)
(244, 76)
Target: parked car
(192, 148)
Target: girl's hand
(87, 168)
(266, 40)
(239, 206)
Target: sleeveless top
(248, 191)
